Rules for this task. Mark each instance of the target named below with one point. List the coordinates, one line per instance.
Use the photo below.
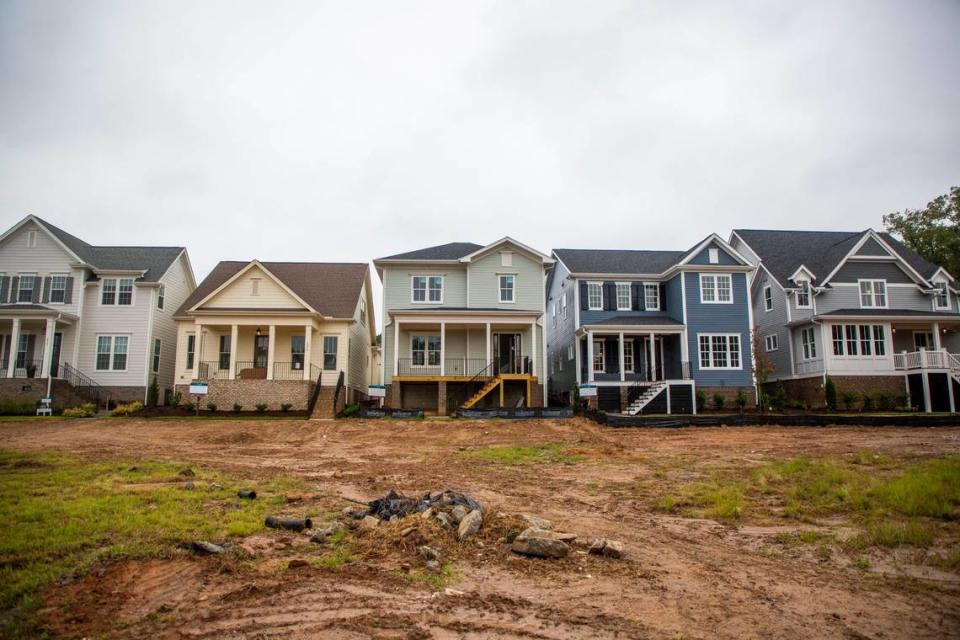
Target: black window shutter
(609, 296)
(31, 345)
(663, 297)
(584, 305)
(68, 294)
(37, 284)
(46, 290)
(642, 305)
(14, 289)
(637, 291)
(611, 356)
(4, 288)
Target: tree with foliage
(763, 366)
(830, 392)
(153, 393)
(933, 232)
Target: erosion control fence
(773, 419)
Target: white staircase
(644, 399)
(953, 361)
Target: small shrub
(153, 393)
(261, 407)
(867, 402)
(830, 391)
(237, 407)
(126, 410)
(849, 400)
(286, 406)
(189, 406)
(351, 409)
(718, 400)
(17, 407)
(76, 412)
(885, 401)
(211, 406)
(777, 399)
(701, 400)
(902, 401)
(741, 400)
(176, 398)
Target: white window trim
(563, 306)
(426, 350)
(603, 356)
(629, 287)
(161, 295)
(116, 294)
(500, 299)
(936, 296)
(716, 288)
(739, 367)
(154, 356)
(629, 352)
(859, 355)
(20, 282)
(113, 350)
(656, 287)
(589, 306)
(570, 354)
(186, 350)
(713, 255)
(873, 294)
(768, 298)
(772, 339)
(323, 352)
(809, 304)
(427, 299)
(32, 239)
(65, 276)
(812, 343)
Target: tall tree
(933, 232)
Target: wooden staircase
(490, 385)
(651, 392)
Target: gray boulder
(536, 521)
(608, 548)
(539, 543)
(470, 525)
(458, 513)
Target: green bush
(126, 410)
(830, 391)
(778, 397)
(86, 410)
(351, 409)
(211, 406)
(286, 406)
(718, 400)
(17, 407)
(867, 402)
(741, 400)
(237, 407)
(885, 401)
(701, 400)
(849, 400)
(176, 398)
(153, 393)
(261, 407)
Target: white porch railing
(810, 366)
(926, 359)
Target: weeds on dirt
(60, 515)
(552, 452)
(435, 580)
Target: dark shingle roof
(924, 268)
(782, 252)
(622, 261)
(153, 260)
(332, 288)
(449, 251)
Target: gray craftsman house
(94, 320)
(859, 307)
(645, 330)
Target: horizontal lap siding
(116, 320)
(398, 292)
(239, 294)
(45, 258)
(773, 323)
(484, 285)
(719, 318)
(177, 287)
(847, 296)
(857, 270)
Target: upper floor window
(506, 288)
(563, 306)
(719, 351)
(873, 293)
(58, 289)
(363, 311)
(768, 298)
(427, 288)
(553, 313)
(942, 298)
(809, 341)
(624, 299)
(594, 296)
(25, 288)
(156, 355)
(803, 295)
(771, 342)
(160, 294)
(716, 288)
(651, 297)
(114, 291)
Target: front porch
(33, 346)
(261, 352)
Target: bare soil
(681, 577)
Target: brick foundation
(811, 391)
(249, 393)
(729, 395)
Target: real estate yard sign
(198, 390)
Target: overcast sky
(351, 130)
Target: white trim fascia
(736, 255)
(149, 341)
(182, 254)
(870, 233)
(640, 329)
(242, 271)
(811, 276)
(545, 259)
(940, 270)
(110, 273)
(683, 295)
(556, 258)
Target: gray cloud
(345, 131)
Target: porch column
(652, 349)
(487, 358)
(936, 336)
(443, 348)
(48, 348)
(307, 348)
(576, 358)
(590, 356)
(533, 348)
(234, 336)
(623, 375)
(197, 349)
(271, 343)
(396, 347)
(14, 347)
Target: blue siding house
(642, 331)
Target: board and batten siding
(484, 282)
(719, 318)
(398, 287)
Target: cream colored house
(269, 332)
(94, 321)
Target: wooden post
(271, 343)
(234, 338)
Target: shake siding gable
(719, 318)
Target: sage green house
(464, 326)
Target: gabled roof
(449, 251)
(332, 289)
(821, 252)
(153, 261)
(618, 261)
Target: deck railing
(810, 366)
(926, 359)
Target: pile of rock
(453, 510)
(539, 540)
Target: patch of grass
(436, 580)
(334, 559)
(893, 534)
(798, 538)
(931, 489)
(706, 500)
(552, 452)
(863, 563)
(60, 515)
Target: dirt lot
(683, 576)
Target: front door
(923, 340)
(506, 347)
(55, 360)
(652, 370)
(261, 346)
